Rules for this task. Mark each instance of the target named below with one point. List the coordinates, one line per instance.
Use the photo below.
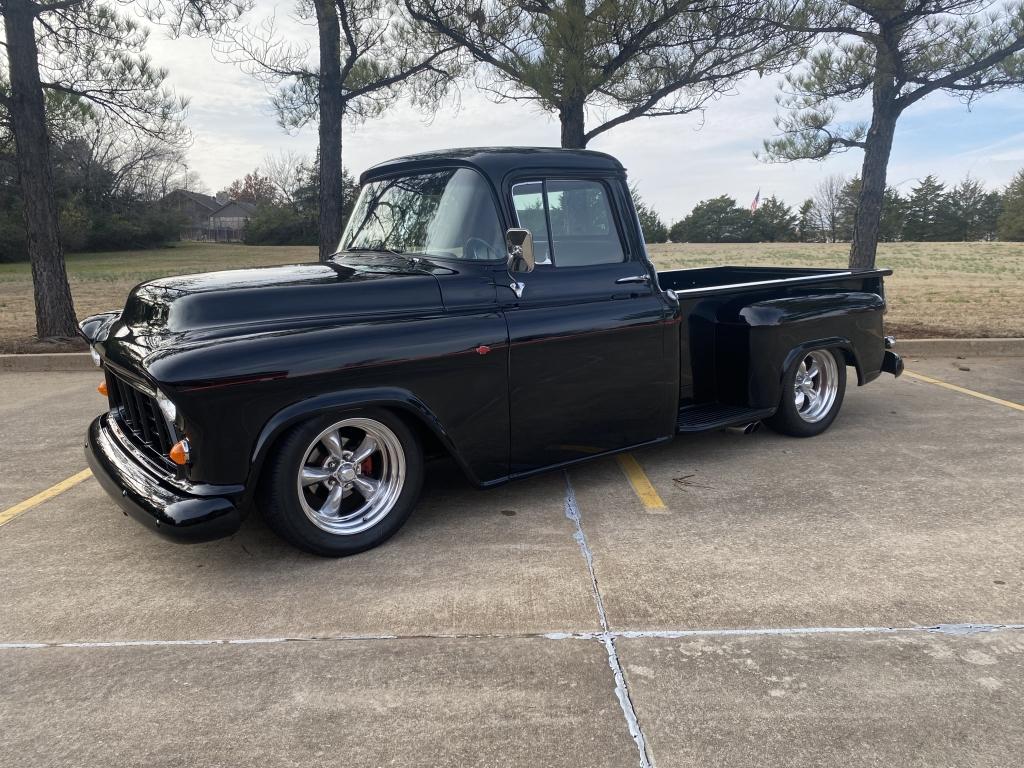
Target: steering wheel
(469, 246)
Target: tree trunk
(571, 116)
(332, 109)
(572, 32)
(55, 311)
(877, 147)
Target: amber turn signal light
(102, 388)
(179, 452)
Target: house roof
(246, 207)
(207, 201)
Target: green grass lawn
(101, 281)
(178, 259)
(938, 289)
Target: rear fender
(778, 331)
(844, 345)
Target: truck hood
(172, 314)
(248, 300)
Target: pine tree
(895, 52)
(1011, 220)
(774, 221)
(894, 212)
(718, 220)
(807, 228)
(971, 208)
(928, 209)
(653, 227)
(613, 60)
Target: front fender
(236, 395)
(394, 398)
(95, 327)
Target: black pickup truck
(493, 305)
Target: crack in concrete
(607, 638)
(572, 511)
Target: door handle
(633, 279)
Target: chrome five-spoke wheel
(815, 385)
(812, 393)
(351, 476)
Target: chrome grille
(140, 414)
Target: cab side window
(571, 220)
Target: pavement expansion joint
(572, 512)
(600, 636)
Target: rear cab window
(572, 221)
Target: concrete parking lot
(856, 599)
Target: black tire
(788, 420)
(279, 501)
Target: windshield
(448, 213)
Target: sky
(675, 161)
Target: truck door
(587, 372)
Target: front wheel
(812, 394)
(341, 484)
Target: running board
(701, 418)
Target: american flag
(757, 200)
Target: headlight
(169, 409)
(95, 356)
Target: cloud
(675, 161)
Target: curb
(47, 362)
(959, 347)
(54, 362)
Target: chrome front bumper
(179, 510)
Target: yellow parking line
(641, 485)
(965, 391)
(54, 490)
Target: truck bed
(727, 279)
(738, 324)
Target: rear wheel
(812, 394)
(341, 484)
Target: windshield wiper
(378, 248)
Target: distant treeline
(108, 185)
(106, 182)
(930, 211)
(285, 192)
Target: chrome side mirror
(519, 243)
